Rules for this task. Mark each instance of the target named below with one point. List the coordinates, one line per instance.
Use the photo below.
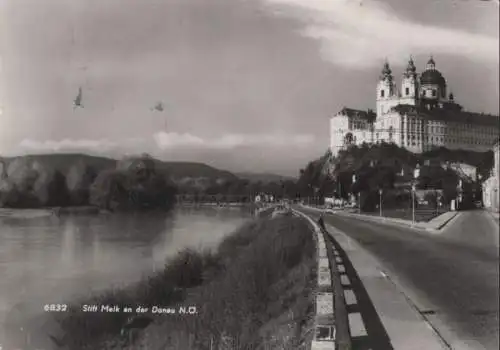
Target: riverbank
(45, 212)
(215, 205)
(255, 290)
(34, 213)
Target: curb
(324, 323)
(447, 221)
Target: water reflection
(56, 260)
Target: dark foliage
(388, 167)
(58, 191)
(138, 187)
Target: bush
(32, 185)
(134, 185)
(50, 189)
(108, 190)
(78, 181)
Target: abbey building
(419, 114)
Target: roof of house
(368, 116)
(449, 115)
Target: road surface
(452, 277)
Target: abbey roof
(449, 115)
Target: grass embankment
(255, 292)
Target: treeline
(390, 168)
(134, 184)
(237, 190)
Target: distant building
(419, 116)
(264, 197)
(491, 187)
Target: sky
(246, 85)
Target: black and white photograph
(249, 174)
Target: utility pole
(416, 174)
(460, 194)
(354, 180)
(380, 199)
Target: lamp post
(479, 188)
(339, 186)
(460, 196)
(435, 197)
(416, 174)
(354, 179)
(380, 200)
(495, 205)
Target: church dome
(432, 77)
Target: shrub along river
(53, 260)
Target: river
(53, 260)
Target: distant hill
(264, 177)
(177, 170)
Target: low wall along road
(331, 328)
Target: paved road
(452, 277)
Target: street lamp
(359, 193)
(495, 205)
(479, 188)
(460, 195)
(416, 174)
(380, 198)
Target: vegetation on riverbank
(255, 290)
(134, 183)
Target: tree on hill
(19, 185)
(383, 166)
(58, 194)
(484, 161)
(78, 181)
(316, 178)
(290, 189)
(50, 186)
(136, 184)
(107, 190)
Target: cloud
(174, 140)
(67, 144)
(358, 34)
